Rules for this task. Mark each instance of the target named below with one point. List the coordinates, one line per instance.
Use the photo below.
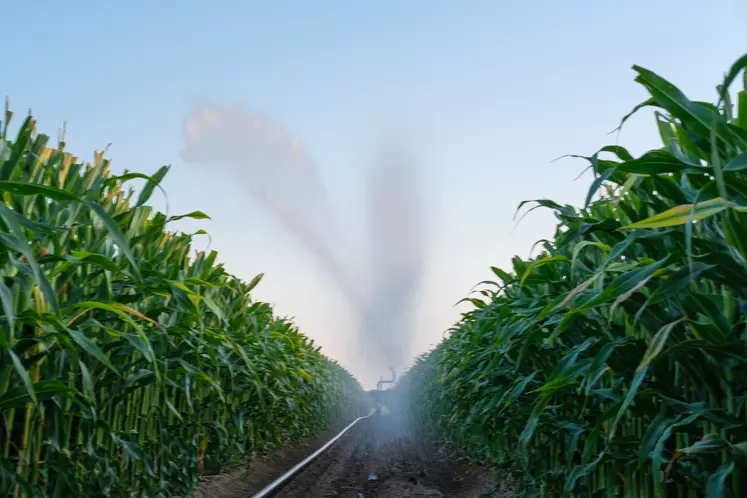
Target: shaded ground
(378, 458)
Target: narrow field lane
(380, 459)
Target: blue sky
(491, 91)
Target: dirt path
(378, 458)
(243, 483)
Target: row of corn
(615, 362)
(129, 366)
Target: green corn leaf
(114, 180)
(513, 394)
(6, 298)
(24, 375)
(627, 294)
(254, 282)
(621, 152)
(83, 257)
(657, 344)
(20, 188)
(654, 348)
(657, 455)
(598, 183)
(539, 263)
(116, 308)
(173, 410)
(153, 181)
(717, 482)
(565, 377)
(17, 150)
(655, 162)
(578, 290)
(43, 390)
(741, 121)
(214, 308)
(199, 282)
(580, 471)
(17, 240)
(646, 103)
(677, 281)
(679, 215)
(698, 117)
(131, 448)
(89, 388)
(654, 431)
(739, 65)
(115, 232)
(196, 215)
(735, 231)
(529, 429)
(91, 348)
(599, 366)
(625, 283)
(706, 445)
(718, 417)
(738, 163)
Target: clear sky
(493, 90)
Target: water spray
(275, 168)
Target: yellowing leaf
(679, 215)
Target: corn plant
(615, 362)
(131, 366)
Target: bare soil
(244, 483)
(378, 458)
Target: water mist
(275, 168)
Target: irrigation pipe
(284, 479)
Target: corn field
(615, 362)
(131, 366)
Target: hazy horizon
(486, 96)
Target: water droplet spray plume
(396, 242)
(277, 171)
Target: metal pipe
(382, 381)
(284, 479)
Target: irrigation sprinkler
(382, 381)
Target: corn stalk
(130, 365)
(614, 363)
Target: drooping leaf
(717, 482)
(43, 390)
(196, 215)
(24, 376)
(152, 183)
(679, 215)
(21, 188)
(91, 348)
(116, 233)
